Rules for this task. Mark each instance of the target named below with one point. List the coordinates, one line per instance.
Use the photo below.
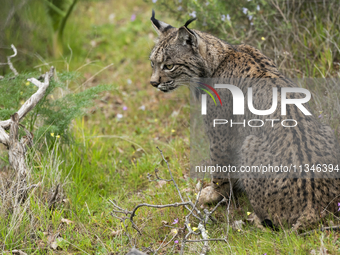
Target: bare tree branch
(18, 252)
(4, 137)
(10, 63)
(31, 102)
(187, 230)
(17, 149)
(16, 153)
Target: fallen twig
(187, 230)
(157, 177)
(9, 63)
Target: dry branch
(17, 149)
(187, 231)
(4, 137)
(31, 102)
(9, 63)
(18, 252)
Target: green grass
(110, 157)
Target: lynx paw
(209, 195)
(256, 221)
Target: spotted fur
(301, 199)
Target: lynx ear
(161, 27)
(186, 36)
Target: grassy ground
(115, 148)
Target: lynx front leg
(222, 181)
(221, 186)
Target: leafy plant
(53, 115)
(59, 11)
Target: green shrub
(55, 112)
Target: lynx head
(177, 55)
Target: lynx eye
(169, 67)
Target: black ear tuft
(189, 21)
(161, 27)
(154, 21)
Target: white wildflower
(193, 14)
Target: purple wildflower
(124, 108)
(320, 116)
(338, 206)
(175, 221)
(133, 17)
(193, 14)
(176, 241)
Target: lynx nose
(154, 83)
